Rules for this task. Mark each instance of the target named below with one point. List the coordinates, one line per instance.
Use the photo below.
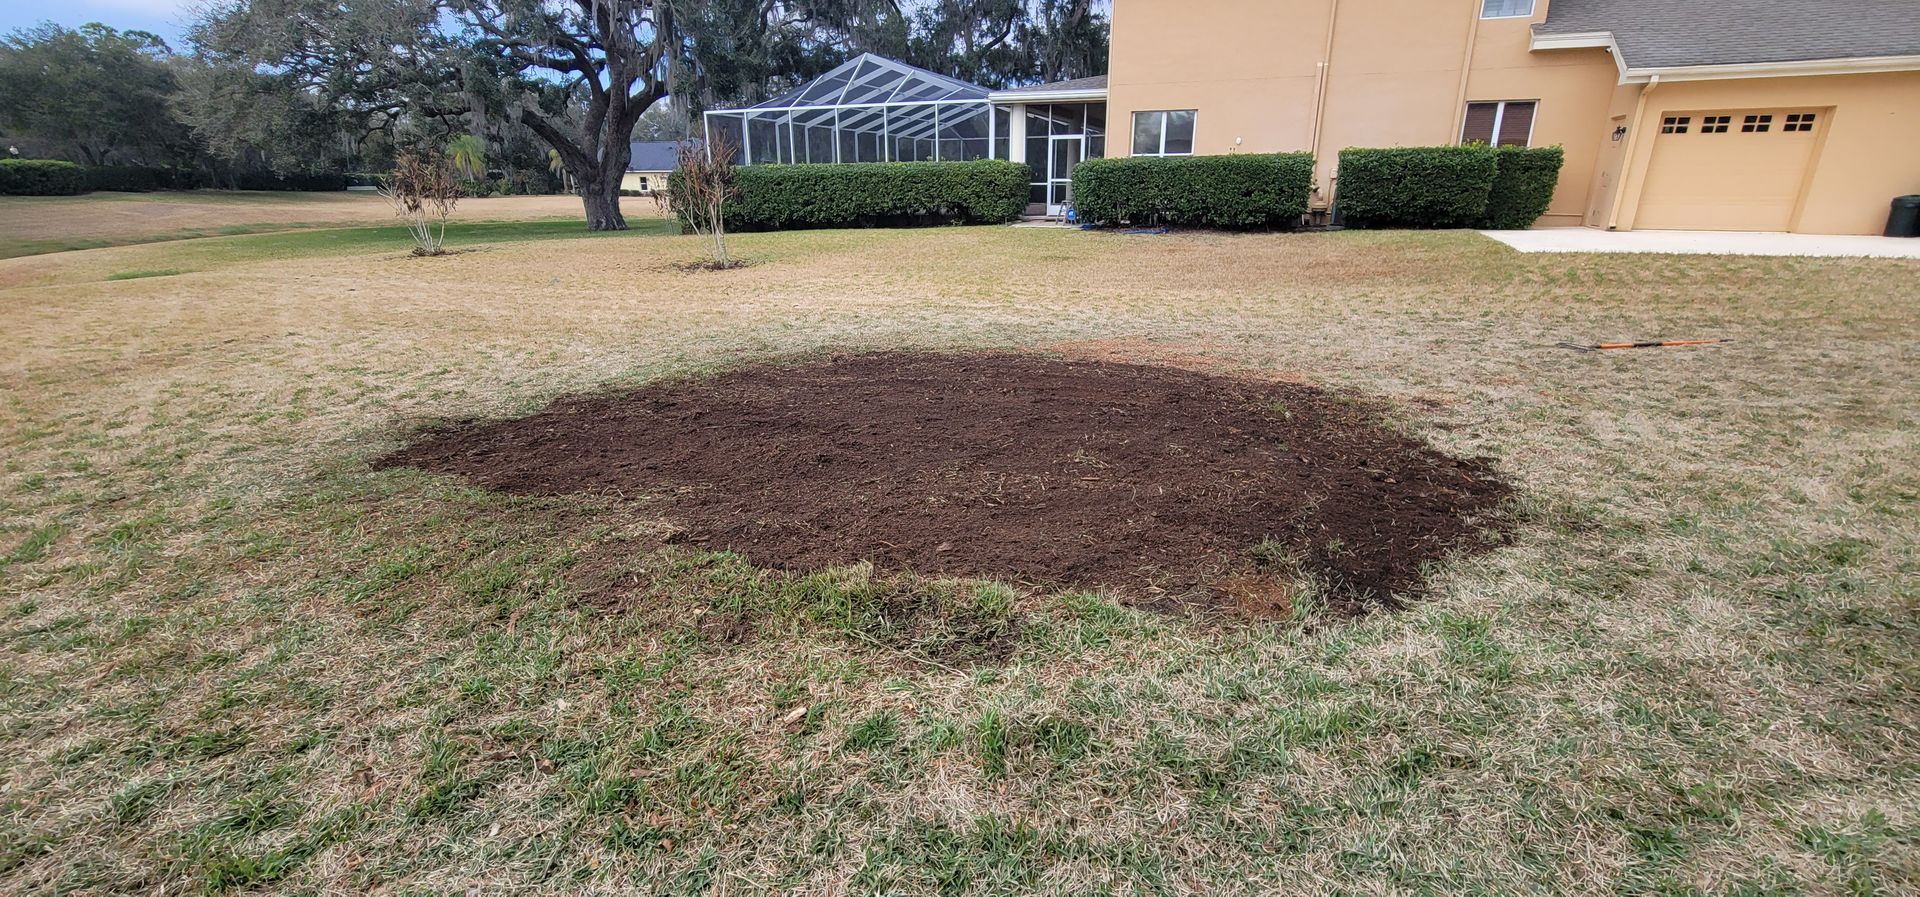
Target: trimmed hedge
(1430, 186)
(874, 194)
(41, 177)
(1256, 190)
(1522, 185)
(142, 178)
(299, 180)
(1447, 186)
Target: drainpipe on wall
(1320, 100)
(1466, 68)
(1626, 162)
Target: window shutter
(1479, 126)
(1516, 126)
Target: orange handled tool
(1656, 344)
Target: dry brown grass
(237, 659)
(50, 223)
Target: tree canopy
(332, 85)
(98, 93)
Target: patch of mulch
(1156, 481)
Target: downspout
(1466, 69)
(1320, 95)
(1626, 162)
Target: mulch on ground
(1155, 481)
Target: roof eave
(1796, 69)
(1006, 97)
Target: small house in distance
(647, 170)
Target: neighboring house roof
(654, 155)
(1659, 34)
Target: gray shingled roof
(1097, 82)
(654, 155)
(1664, 33)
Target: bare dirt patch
(1154, 480)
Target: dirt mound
(1010, 466)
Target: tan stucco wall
(1868, 150)
(1400, 73)
(1249, 66)
(1252, 69)
(1574, 90)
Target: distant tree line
(538, 93)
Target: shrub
(1237, 191)
(1428, 186)
(1448, 186)
(142, 178)
(41, 177)
(299, 180)
(1522, 185)
(874, 194)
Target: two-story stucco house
(1763, 115)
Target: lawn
(236, 655)
(31, 225)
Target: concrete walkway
(1694, 242)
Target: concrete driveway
(1693, 242)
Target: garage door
(1728, 170)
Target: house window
(1505, 123)
(1505, 9)
(1675, 124)
(1715, 124)
(1168, 133)
(1756, 124)
(643, 183)
(1799, 121)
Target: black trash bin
(1904, 220)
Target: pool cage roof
(869, 109)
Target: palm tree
(468, 156)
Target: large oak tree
(610, 59)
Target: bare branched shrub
(699, 195)
(423, 191)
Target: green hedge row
(1237, 191)
(51, 177)
(1447, 186)
(1522, 185)
(143, 178)
(875, 194)
(41, 177)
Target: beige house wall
(1396, 73)
(1251, 66)
(1323, 75)
(1574, 89)
(1867, 150)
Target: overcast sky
(166, 18)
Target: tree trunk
(601, 196)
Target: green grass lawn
(38, 225)
(234, 658)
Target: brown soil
(1148, 479)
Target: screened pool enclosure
(868, 110)
(872, 109)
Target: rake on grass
(1654, 344)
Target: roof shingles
(1673, 33)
